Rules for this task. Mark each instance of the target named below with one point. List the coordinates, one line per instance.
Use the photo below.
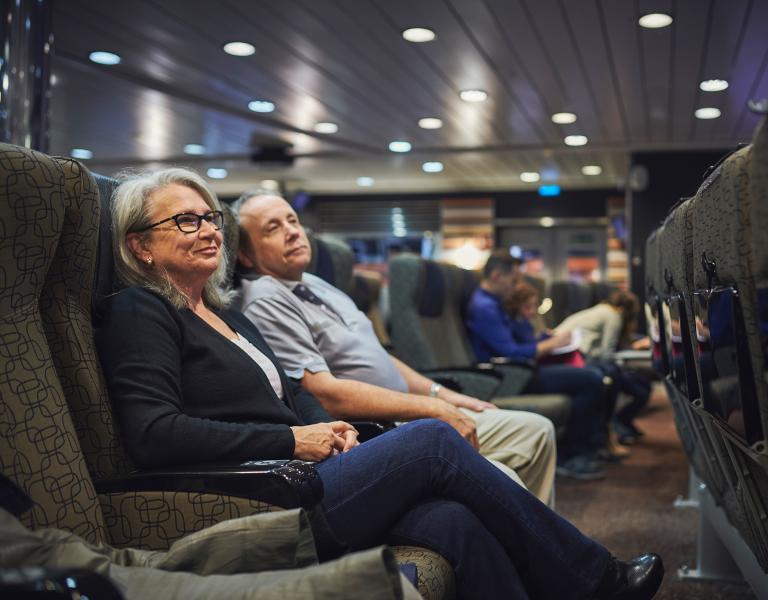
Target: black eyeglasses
(190, 222)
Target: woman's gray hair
(130, 214)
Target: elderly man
(323, 340)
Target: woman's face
(528, 309)
(189, 258)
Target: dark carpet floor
(631, 511)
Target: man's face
(279, 245)
(508, 281)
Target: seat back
(568, 297)
(39, 445)
(653, 288)
(332, 261)
(726, 291)
(427, 330)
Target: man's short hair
(500, 260)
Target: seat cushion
(435, 575)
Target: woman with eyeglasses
(192, 382)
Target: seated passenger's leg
(585, 430)
(523, 442)
(483, 569)
(369, 489)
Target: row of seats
(707, 310)
(59, 442)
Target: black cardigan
(185, 394)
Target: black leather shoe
(636, 579)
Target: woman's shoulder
(133, 301)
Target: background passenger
(607, 327)
(322, 340)
(490, 329)
(192, 382)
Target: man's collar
(253, 276)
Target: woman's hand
(321, 440)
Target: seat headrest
(431, 290)
(105, 281)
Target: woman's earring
(149, 260)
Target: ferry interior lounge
(384, 299)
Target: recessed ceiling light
(473, 95)
(713, 85)
(217, 173)
(269, 184)
(326, 127)
(400, 232)
(104, 58)
(194, 149)
(655, 20)
(262, 106)
(365, 181)
(239, 48)
(563, 118)
(530, 176)
(400, 146)
(575, 140)
(81, 153)
(591, 170)
(419, 34)
(546, 221)
(432, 166)
(708, 112)
(430, 123)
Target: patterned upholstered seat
(726, 288)
(57, 429)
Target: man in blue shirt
(490, 329)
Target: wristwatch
(434, 389)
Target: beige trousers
(269, 555)
(523, 445)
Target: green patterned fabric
(435, 576)
(343, 260)
(39, 446)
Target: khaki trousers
(269, 555)
(523, 445)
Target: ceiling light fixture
(430, 123)
(101, 57)
(575, 140)
(708, 112)
(713, 85)
(432, 166)
(261, 106)
(365, 181)
(239, 48)
(591, 170)
(81, 153)
(473, 95)
(530, 176)
(563, 118)
(419, 35)
(326, 127)
(546, 221)
(194, 149)
(655, 20)
(400, 146)
(217, 173)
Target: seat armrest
(516, 362)
(49, 583)
(367, 430)
(284, 483)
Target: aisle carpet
(631, 511)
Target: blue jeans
(423, 484)
(585, 431)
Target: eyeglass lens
(190, 222)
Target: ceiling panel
(345, 61)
